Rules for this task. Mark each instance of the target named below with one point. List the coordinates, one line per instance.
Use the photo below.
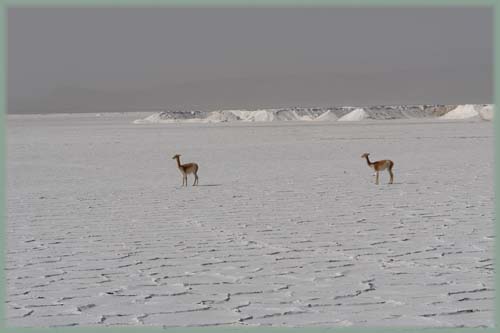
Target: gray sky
(124, 59)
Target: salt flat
(286, 229)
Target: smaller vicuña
(186, 169)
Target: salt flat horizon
(287, 227)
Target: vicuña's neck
(178, 161)
(368, 160)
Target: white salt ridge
(154, 118)
(171, 117)
(462, 112)
(239, 115)
(221, 116)
(467, 111)
(269, 115)
(327, 116)
(486, 113)
(256, 116)
(355, 115)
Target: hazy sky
(122, 59)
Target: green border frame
(4, 4)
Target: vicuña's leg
(185, 180)
(376, 179)
(392, 176)
(195, 179)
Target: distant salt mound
(327, 116)
(486, 112)
(355, 115)
(268, 115)
(221, 117)
(154, 118)
(466, 111)
(167, 117)
(241, 115)
(258, 115)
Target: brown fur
(186, 169)
(380, 166)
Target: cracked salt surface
(291, 231)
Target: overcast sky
(124, 59)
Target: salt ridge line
(480, 111)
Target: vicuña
(186, 169)
(380, 166)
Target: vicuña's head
(365, 155)
(176, 156)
